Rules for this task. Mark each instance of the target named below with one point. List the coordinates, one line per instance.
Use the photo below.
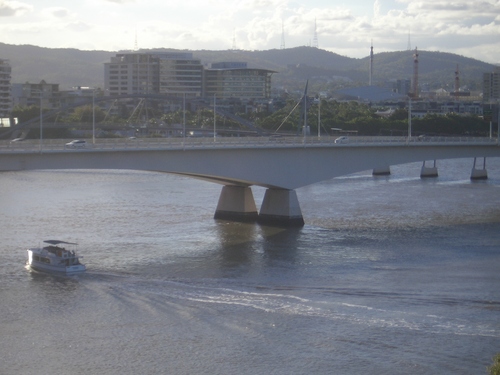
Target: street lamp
(40, 92)
(93, 109)
(215, 112)
(93, 116)
(409, 118)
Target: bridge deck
(176, 143)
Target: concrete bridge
(280, 164)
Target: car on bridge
(342, 139)
(77, 143)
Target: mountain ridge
(71, 67)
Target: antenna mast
(315, 38)
(415, 74)
(457, 80)
(371, 65)
(282, 46)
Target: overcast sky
(347, 27)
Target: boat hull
(46, 266)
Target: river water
(389, 275)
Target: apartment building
(45, 94)
(5, 75)
(179, 74)
(175, 73)
(491, 86)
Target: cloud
(119, 1)
(57, 12)
(79, 26)
(13, 8)
(376, 8)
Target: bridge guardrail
(58, 145)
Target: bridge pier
(236, 203)
(382, 171)
(479, 174)
(281, 207)
(428, 171)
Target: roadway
(176, 143)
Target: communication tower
(415, 74)
(282, 46)
(457, 80)
(371, 65)
(315, 38)
(234, 40)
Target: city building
(27, 94)
(5, 101)
(229, 80)
(175, 73)
(180, 74)
(491, 86)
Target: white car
(77, 143)
(343, 139)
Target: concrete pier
(382, 171)
(426, 172)
(281, 207)
(236, 203)
(477, 173)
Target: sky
(348, 27)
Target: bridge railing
(34, 145)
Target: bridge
(280, 164)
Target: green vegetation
(347, 116)
(494, 369)
(352, 116)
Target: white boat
(55, 258)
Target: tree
(86, 113)
(494, 369)
(26, 113)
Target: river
(389, 275)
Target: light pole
(84, 94)
(40, 92)
(93, 116)
(409, 118)
(215, 109)
(498, 123)
(183, 119)
(41, 123)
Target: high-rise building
(5, 98)
(135, 73)
(491, 86)
(227, 80)
(181, 74)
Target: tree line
(332, 115)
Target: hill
(326, 70)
